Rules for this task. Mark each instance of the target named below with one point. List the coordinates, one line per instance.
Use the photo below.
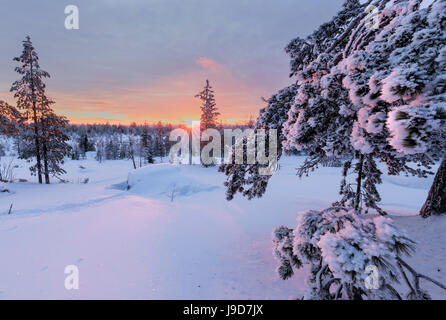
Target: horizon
(184, 123)
(146, 61)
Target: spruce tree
(363, 95)
(160, 143)
(209, 111)
(31, 98)
(395, 79)
(100, 150)
(338, 115)
(146, 145)
(84, 143)
(317, 121)
(54, 144)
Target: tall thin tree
(30, 94)
(209, 111)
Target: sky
(144, 60)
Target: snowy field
(173, 235)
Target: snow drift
(167, 180)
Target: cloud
(210, 65)
(98, 103)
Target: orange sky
(146, 60)
(170, 100)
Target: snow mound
(163, 180)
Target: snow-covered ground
(173, 235)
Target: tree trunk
(436, 199)
(36, 129)
(133, 161)
(45, 163)
(39, 163)
(359, 182)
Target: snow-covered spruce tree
(30, 94)
(328, 39)
(313, 123)
(146, 145)
(159, 148)
(209, 111)
(112, 147)
(85, 144)
(245, 178)
(333, 253)
(388, 68)
(336, 115)
(100, 150)
(350, 257)
(123, 148)
(398, 84)
(320, 122)
(54, 144)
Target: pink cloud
(210, 65)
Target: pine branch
(347, 31)
(417, 275)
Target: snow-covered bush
(3, 187)
(350, 257)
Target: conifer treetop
(209, 111)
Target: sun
(190, 122)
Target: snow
(359, 141)
(139, 244)
(164, 179)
